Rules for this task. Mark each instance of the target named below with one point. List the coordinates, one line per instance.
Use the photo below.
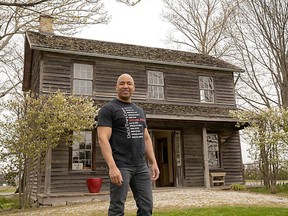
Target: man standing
(125, 143)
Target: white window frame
(213, 150)
(82, 152)
(155, 88)
(207, 91)
(82, 79)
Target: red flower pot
(94, 184)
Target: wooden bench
(217, 178)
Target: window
(82, 79)
(82, 152)
(206, 86)
(177, 141)
(155, 85)
(213, 150)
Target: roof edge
(191, 118)
(132, 59)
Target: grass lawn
(211, 211)
(9, 206)
(226, 211)
(7, 189)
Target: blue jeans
(140, 183)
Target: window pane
(83, 78)
(83, 87)
(210, 83)
(206, 88)
(84, 71)
(213, 150)
(82, 152)
(202, 96)
(155, 85)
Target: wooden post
(47, 180)
(205, 157)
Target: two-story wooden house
(186, 97)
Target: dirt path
(168, 198)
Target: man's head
(125, 88)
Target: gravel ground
(168, 198)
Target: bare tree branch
(201, 24)
(15, 4)
(17, 17)
(128, 2)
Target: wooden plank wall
(181, 84)
(193, 157)
(65, 180)
(232, 159)
(224, 85)
(36, 70)
(107, 72)
(57, 73)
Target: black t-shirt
(128, 122)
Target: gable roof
(72, 45)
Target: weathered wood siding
(181, 84)
(224, 88)
(65, 180)
(232, 159)
(193, 156)
(35, 72)
(57, 73)
(107, 72)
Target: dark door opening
(162, 140)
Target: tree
(259, 31)
(16, 17)
(34, 127)
(268, 135)
(20, 16)
(200, 24)
(129, 3)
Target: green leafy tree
(38, 125)
(268, 136)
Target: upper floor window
(155, 85)
(206, 86)
(82, 79)
(213, 150)
(82, 152)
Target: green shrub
(238, 187)
(8, 203)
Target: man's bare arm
(104, 134)
(150, 155)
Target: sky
(137, 25)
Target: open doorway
(163, 145)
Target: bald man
(125, 143)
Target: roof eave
(27, 64)
(133, 59)
(191, 118)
